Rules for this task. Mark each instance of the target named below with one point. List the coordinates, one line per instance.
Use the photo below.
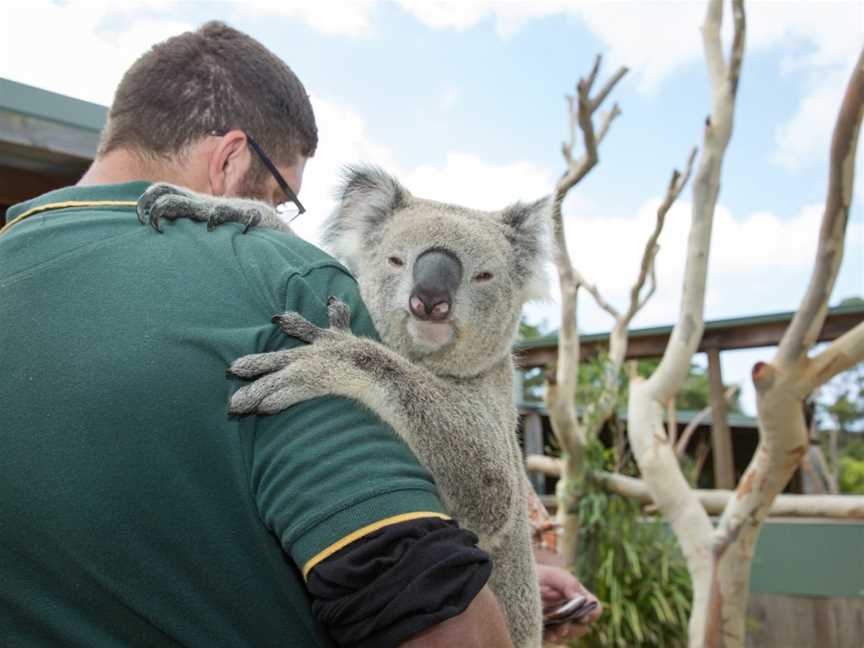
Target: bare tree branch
(607, 88)
(804, 329)
(676, 186)
(783, 384)
(844, 353)
(595, 293)
(715, 499)
(592, 76)
(648, 440)
(737, 55)
(560, 392)
(581, 108)
(696, 421)
(606, 121)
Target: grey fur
(451, 400)
(163, 201)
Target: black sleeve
(396, 582)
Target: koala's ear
(528, 230)
(367, 196)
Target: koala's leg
(163, 201)
(514, 581)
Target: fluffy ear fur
(528, 233)
(367, 197)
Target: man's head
(175, 97)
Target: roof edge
(35, 102)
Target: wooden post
(721, 438)
(532, 435)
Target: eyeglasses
(291, 209)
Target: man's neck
(123, 166)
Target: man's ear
(367, 197)
(228, 164)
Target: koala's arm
(460, 442)
(163, 201)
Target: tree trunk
(784, 384)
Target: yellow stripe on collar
(366, 530)
(66, 205)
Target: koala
(444, 286)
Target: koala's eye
(395, 261)
(483, 276)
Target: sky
(463, 100)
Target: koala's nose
(437, 274)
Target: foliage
(851, 474)
(633, 565)
(840, 411)
(529, 331)
(695, 390)
(693, 395)
(842, 400)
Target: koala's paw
(258, 364)
(163, 201)
(294, 382)
(155, 202)
(297, 326)
(339, 314)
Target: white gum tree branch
(651, 447)
(601, 409)
(572, 433)
(561, 390)
(714, 501)
(845, 507)
(784, 383)
(681, 444)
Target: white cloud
(760, 263)
(447, 14)
(449, 98)
(463, 178)
(656, 39)
(331, 17)
(343, 139)
(468, 180)
(805, 139)
(95, 41)
(807, 135)
(90, 67)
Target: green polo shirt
(133, 510)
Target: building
(47, 141)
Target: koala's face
(445, 285)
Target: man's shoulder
(301, 255)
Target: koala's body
(445, 287)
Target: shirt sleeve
(397, 582)
(327, 472)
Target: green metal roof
(734, 419)
(551, 340)
(26, 100)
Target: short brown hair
(212, 79)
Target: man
(133, 510)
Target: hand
(556, 586)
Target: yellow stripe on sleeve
(366, 530)
(66, 205)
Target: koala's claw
(339, 314)
(152, 203)
(253, 220)
(299, 327)
(258, 364)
